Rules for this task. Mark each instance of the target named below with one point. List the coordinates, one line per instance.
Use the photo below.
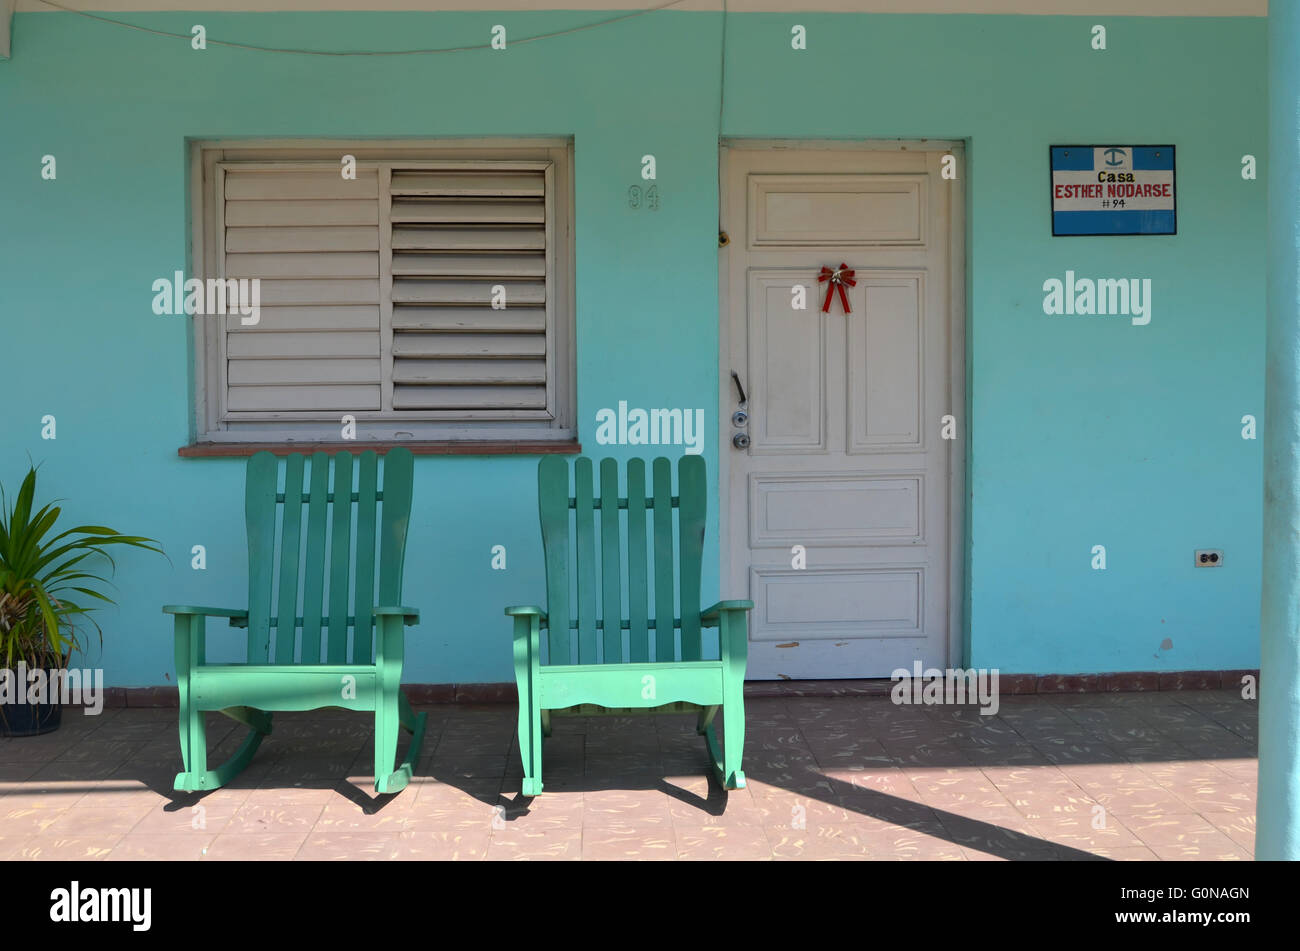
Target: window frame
(212, 424)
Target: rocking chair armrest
(712, 614)
(238, 616)
(409, 615)
(527, 610)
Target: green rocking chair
(287, 668)
(585, 665)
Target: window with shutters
(426, 293)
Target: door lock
(740, 417)
(740, 390)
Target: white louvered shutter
(457, 233)
(312, 238)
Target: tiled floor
(1167, 775)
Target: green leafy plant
(45, 577)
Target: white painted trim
(195, 264)
(552, 408)
(6, 18)
(384, 150)
(329, 432)
(217, 328)
(725, 385)
(958, 542)
(1092, 8)
(834, 145)
(385, 289)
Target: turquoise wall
(1082, 431)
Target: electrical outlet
(1208, 558)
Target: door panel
(787, 369)
(838, 512)
(887, 364)
(835, 509)
(838, 602)
(835, 211)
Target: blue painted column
(1278, 831)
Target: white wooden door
(839, 511)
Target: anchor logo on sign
(1114, 157)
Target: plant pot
(30, 719)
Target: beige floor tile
(332, 846)
(535, 844)
(439, 844)
(273, 847)
(154, 847)
(1238, 827)
(1167, 828)
(93, 821)
(59, 848)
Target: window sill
(426, 448)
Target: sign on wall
(1113, 189)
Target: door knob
(740, 440)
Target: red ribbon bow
(838, 278)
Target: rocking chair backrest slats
(363, 630)
(337, 598)
(690, 530)
(290, 541)
(399, 474)
(584, 524)
(336, 650)
(553, 502)
(611, 581)
(313, 580)
(259, 513)
(574, 548)
(638, 589)
(663, 542)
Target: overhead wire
(310, 52)
(231, 44)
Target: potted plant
(44, 580)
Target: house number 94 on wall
(648, 197)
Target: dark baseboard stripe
(1008, 685)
